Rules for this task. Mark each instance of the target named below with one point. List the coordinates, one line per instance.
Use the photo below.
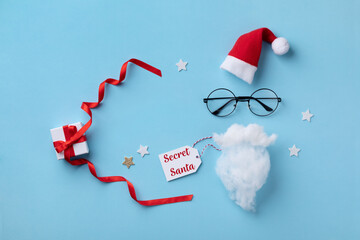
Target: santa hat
(242, 60)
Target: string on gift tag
(207, 145)
(86, 106)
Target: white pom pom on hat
(280, 46)
(242, 60)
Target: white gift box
(57, 134)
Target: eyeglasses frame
(243, 99)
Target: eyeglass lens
(263, 97)
(221, 102)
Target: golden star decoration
(128, 162)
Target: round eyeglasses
(222, 102)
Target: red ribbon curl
(72, 137)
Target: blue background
(53, 55)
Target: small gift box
(64, 133)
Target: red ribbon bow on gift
(67, 147)
(73, 136)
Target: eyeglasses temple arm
(217, 111)
(218, 98)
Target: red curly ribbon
(131, 188)
(86, 106)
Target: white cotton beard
(244, 164)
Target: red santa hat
(242, 60)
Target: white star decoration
(181, 65)
(307, 115)
(294, 151)
(143, 150)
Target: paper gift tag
(180, 162)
